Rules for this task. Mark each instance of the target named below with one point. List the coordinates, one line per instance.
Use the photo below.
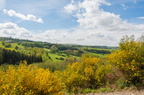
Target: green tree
(53, 49)
(16, 47)
(1, 56)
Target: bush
(89, 73)
(52, 66)
(29, 80)
(130, 60)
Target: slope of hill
(50, 51)
(81, 71)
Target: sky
(83, 22)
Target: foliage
(130, 60)
(1, 56)
(14, 57)
(88, 73)
(52, 66)
(88, 90)
(101, 89)
(98, 51)
(35, 47)
(56, 66)
(54, 49)
(29, 80)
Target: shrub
(130, 60)
(29, 80)
(88, 73)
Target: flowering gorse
(29, 80)
(88, 73)
(130, 60)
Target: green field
(59, 53)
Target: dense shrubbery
(129, 59)
(56, 66)
(88, 73)
(122, 68)
(28, 80)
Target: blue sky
(85, 22)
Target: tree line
(14, 57)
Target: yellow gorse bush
(88, 73)
(29, 80)
(130, 60)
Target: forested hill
(41, 44)
(14, 50)
(14, 57)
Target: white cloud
(90, 15)
(96, 26)
(2, 4)
(40, 20)
(22, 16)
(70, 8)
(76, 36)
(105, 27)
(12, 30)
(141, 17)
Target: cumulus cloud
(96, 26)
(105, 27)
(90, 15)
(76, 36)
(22, 16)
(70, 8)
(12, 30)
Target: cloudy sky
(85, 22)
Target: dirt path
(134, 92)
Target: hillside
(52, 52)
(38, 68)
